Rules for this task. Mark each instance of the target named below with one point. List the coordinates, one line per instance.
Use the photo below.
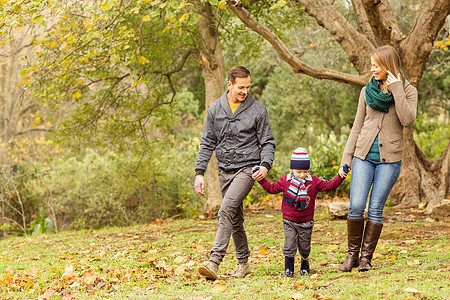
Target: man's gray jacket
(240, 139)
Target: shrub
(97, 189)
(431, 137)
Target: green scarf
(375, 98)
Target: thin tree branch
(416, 48)
(34, 130)
(344, 33)
(297, 65)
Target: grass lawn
(160, 261)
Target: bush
(325, 157)
(98, 189)
(431, 137)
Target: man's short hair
(237, 72)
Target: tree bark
(213, 68)
(420, 181)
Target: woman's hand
(391, 78)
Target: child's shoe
(288, 267)
(304, 268)
(288, 273)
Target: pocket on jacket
(219, 155)
(247, 154)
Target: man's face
(239, 89)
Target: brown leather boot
(354, 235)
(371, 236)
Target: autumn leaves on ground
(160, 260)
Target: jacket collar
(244, 105)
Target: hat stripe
(300, 159)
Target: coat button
(383, 160)
(381, 145)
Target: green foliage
(104, 70)
(301, 108)
(325, 158)
(431, 137)
(97, 189)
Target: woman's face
(376, 70)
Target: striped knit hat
(300, 159)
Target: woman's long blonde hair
(388, 59)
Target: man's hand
(199, 185)
(260, 174)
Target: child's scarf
(297, 194)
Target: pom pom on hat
(300, 159)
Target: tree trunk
(421, 181)
(211, 60)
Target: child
(299, 194)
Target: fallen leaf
(263, 251)
(324, 262)
(410, 242)
(32, 271)
(180, 270)
(414, 263)
(314, 276)
(48, 294)
(377, 254)
(297, 285)
(296, 296)
(218, 289)
(179, 259)
(332, 247)
(411, 290)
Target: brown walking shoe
(242, 270)
(209, 270)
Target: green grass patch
(160, 261)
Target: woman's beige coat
(388, 126)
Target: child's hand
(343, 171)
(259, 173)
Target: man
(237, 128)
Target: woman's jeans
(366, 173)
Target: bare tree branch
(382, 21)
(33, 129)
(416, 48)
(297, 65)
(345, 34)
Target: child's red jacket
(313, 185)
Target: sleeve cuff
(199, 172)
(264, 164)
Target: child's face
(300, 174)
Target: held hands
(343, 171)
(199, 185)
(259, 174)
(391, 78)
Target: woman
(375, 144)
